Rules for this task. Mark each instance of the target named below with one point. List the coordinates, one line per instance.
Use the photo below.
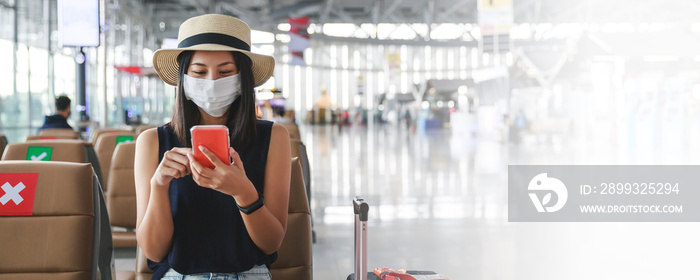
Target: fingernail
(201, 148)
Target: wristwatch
(253, 207)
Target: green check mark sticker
(39, 153)
(124, 139)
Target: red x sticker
(17, 193)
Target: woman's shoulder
(147, 147)
(152, 132)
(148, 134)
(147, 138)
(279, 132)
(270, 125)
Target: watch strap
(253, 207)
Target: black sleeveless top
(209, 234)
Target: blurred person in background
(60, 119)
(279, 115)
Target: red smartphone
(213, 137)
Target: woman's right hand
(175, 164)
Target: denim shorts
(258, 272)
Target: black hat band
(214, 38)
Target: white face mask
(213, 96)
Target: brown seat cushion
(294, 259)
(63, 150)
(56, 241)
(105, 147)
(124, 239)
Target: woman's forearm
(265, 229)
(155, 232)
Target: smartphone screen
(213, 137)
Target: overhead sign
(79, 23)
(393, 66)
(495, 20)
(299, 39)
(17, 192)
(495, 12)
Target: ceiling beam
(197, 6)
(399, 23)
(447, 14)
(338, 11)
(376, 9)
(6, 5)
(428, 17)
(254, 19)
(391, 8)
(371, 41)
(326, 12)
(307, 11)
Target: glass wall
(32, 78)
(355, 74)
(38, 69)
(352, 74)
(130, 42)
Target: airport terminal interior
(419, 107)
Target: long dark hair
(241, 114)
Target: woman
(226, 221)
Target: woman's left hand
(226, 178)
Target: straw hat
(212, 33)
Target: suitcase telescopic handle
(361, 207)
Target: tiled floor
(438, 201)
(421, 195)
